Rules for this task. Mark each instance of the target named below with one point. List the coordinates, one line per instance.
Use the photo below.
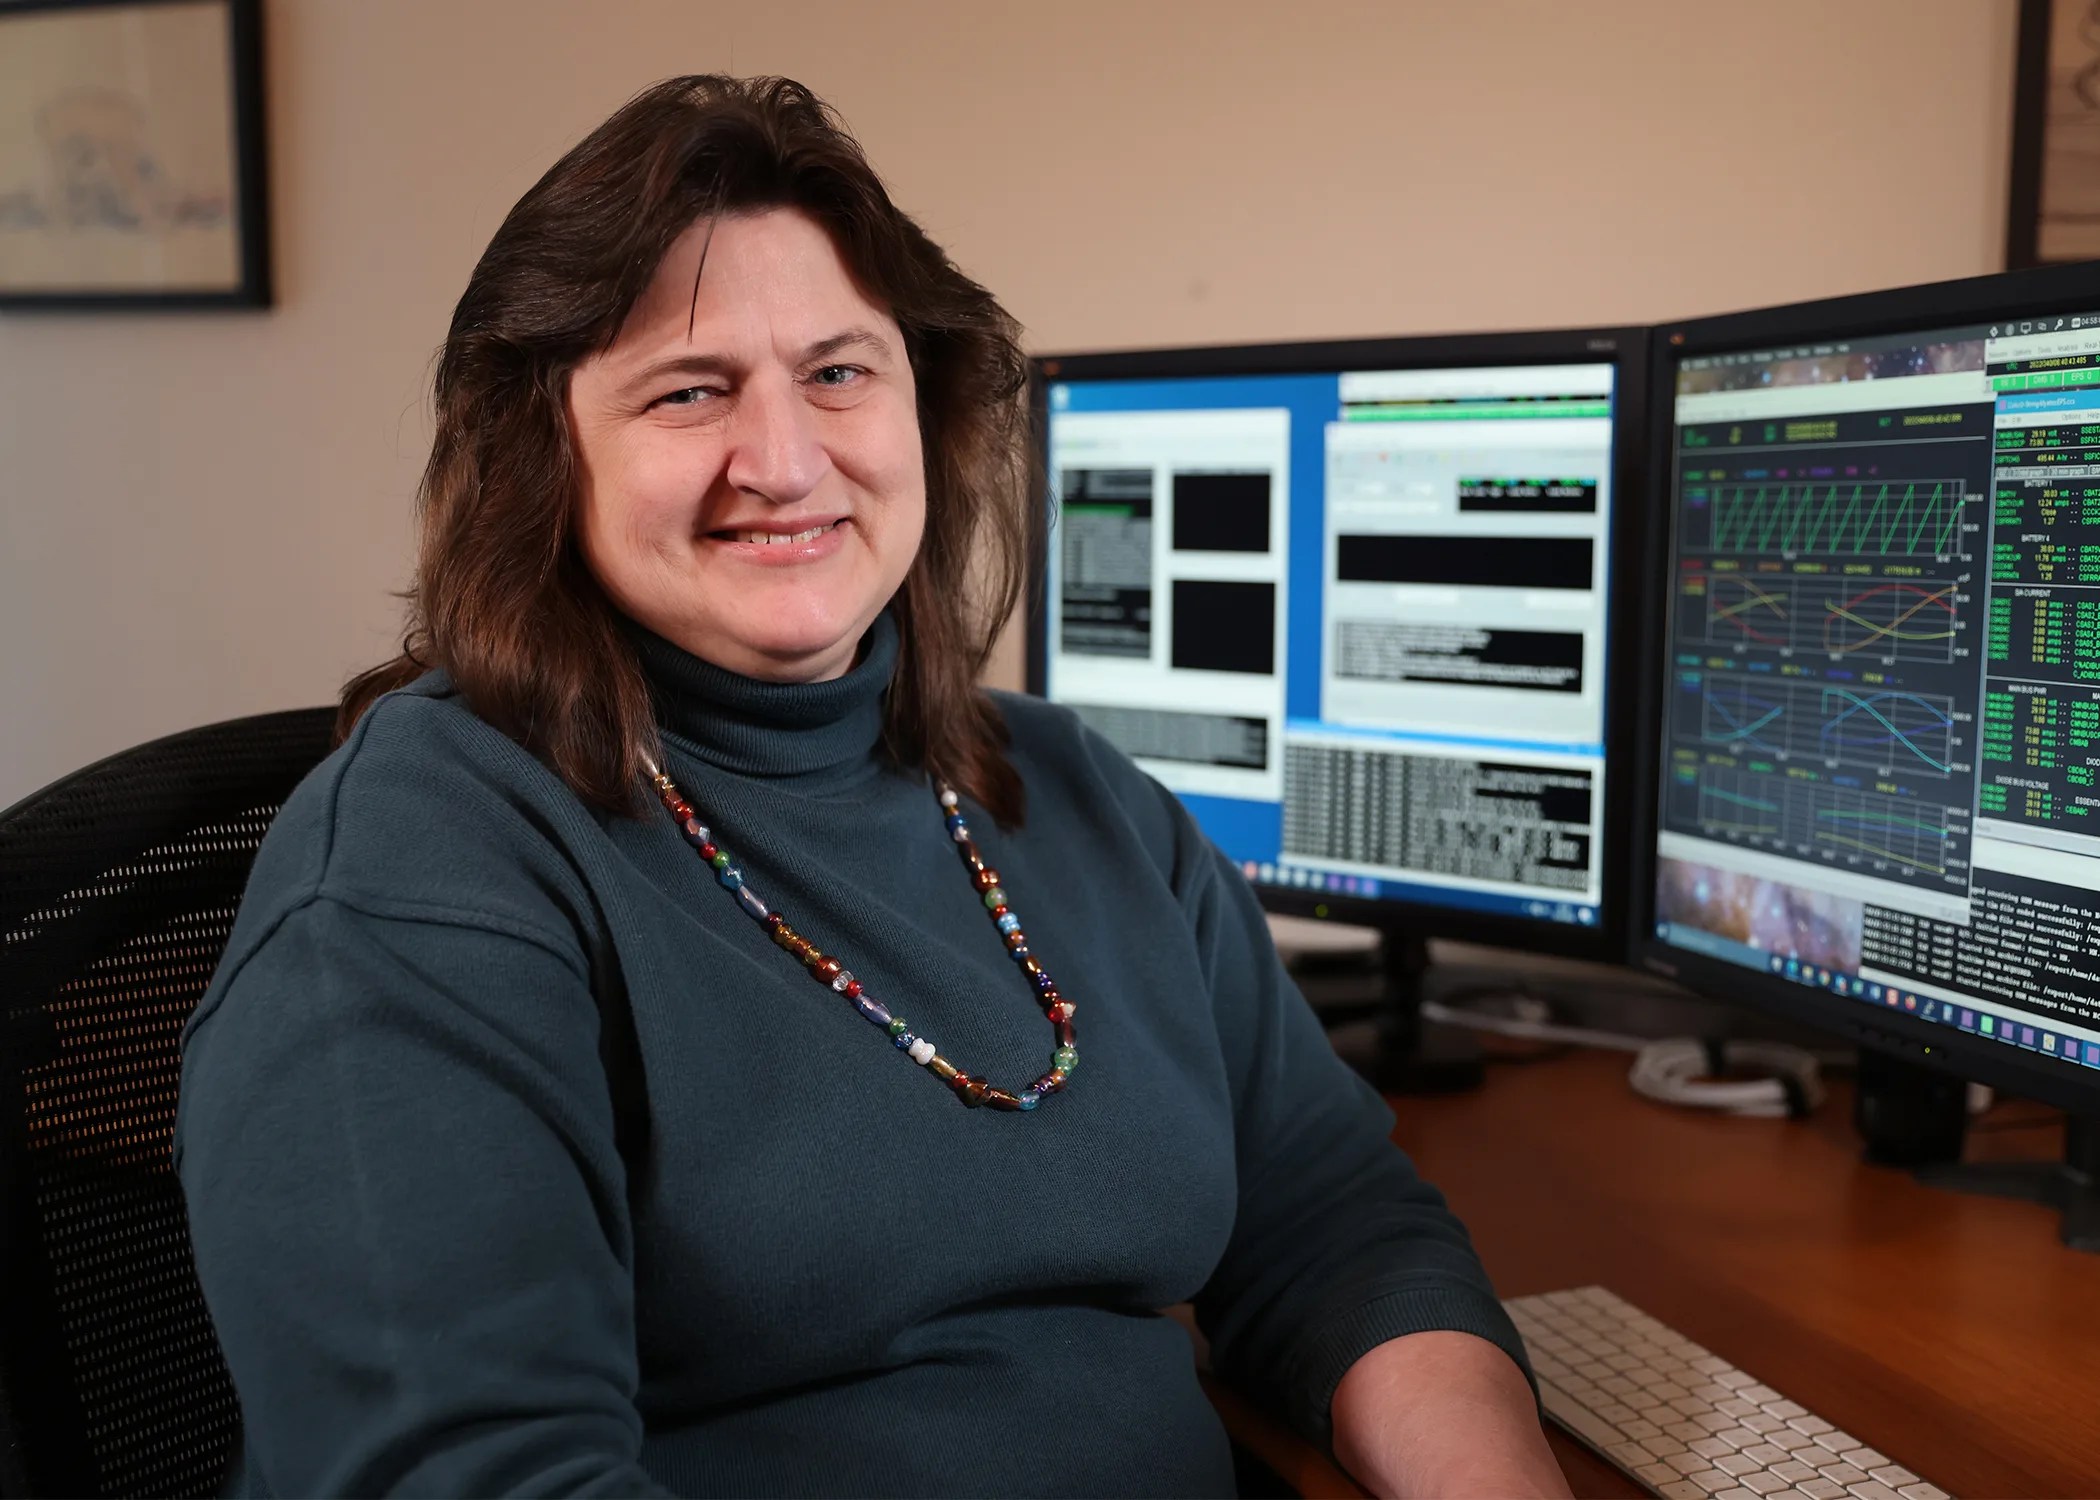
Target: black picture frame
(251, 284)
(2054, 187)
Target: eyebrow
(722, 364)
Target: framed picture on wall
(2055, 209)
(131, 154)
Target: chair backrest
(118, 887)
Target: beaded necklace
(826, 970)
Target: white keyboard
(1683, 1422)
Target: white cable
(1675, 1072)
(1678, 1072)
(1530, 1031)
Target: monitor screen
(1354, 617)
(1881, 714)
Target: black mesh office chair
(118, 887)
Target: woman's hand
(1442, 1414)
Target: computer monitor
(1872, 718)
(1352, 602)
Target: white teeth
(772, 538)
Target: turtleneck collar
(776, 730)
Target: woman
(576, 1107)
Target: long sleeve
(408, 1210)
(1338, 1244)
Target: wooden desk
(1954, 1334)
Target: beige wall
(202, 516)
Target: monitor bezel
(1981, 299)
(1623, 347)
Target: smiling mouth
(779, 538)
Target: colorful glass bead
(1066, 1037)
(841, 980)
(972, 1089)
(903, 1041)
(1016, 943)
(708, 851)
(1028, 1099)
(897, 1026)
(1009, 923)
(730, 876)
(719, 859)
(748, 899)
(985, 879)
(829, 970)
(941, 1068)
(948, 798)
(1066, 1058)
(921, 1052)
(994, 898)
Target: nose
(775, 453)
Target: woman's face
(752, 482)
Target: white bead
(921, 1051)
(962, 835)
(845, 977)
(948, 798)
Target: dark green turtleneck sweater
(437, 1267)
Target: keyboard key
(1735, 1463)
(1738, 1437)
(1733, 1378)
(1786, 1411)
(1763, 1483)
(1873, 1490)
(1765, 1454)
(1656, 1474)
(1711, 1480)
(1759, 1393)
(1692, 1463)
(1759, 1422)
(1641, 1431)
(1835, 1442)
(1842, 1473)
(1892, 1475)
(1793, 1471)
(1739, 1493)
(1922, 1491)
(1681, 1489)
(1712, 1448)
(1791, 1440)
(1629, 1456)
(1809, 1425)
(1821, 1489)
(1864, 1458)
(1736, 1408)
(1713, 1421)
(1687, 1432)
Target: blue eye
(690, 396)
(837, 374)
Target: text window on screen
(1467, 532)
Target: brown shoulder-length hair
(502, 599)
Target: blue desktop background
(1248, 831)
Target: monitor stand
(1416, 1055)
(1915, 1117)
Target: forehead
(774, 276)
